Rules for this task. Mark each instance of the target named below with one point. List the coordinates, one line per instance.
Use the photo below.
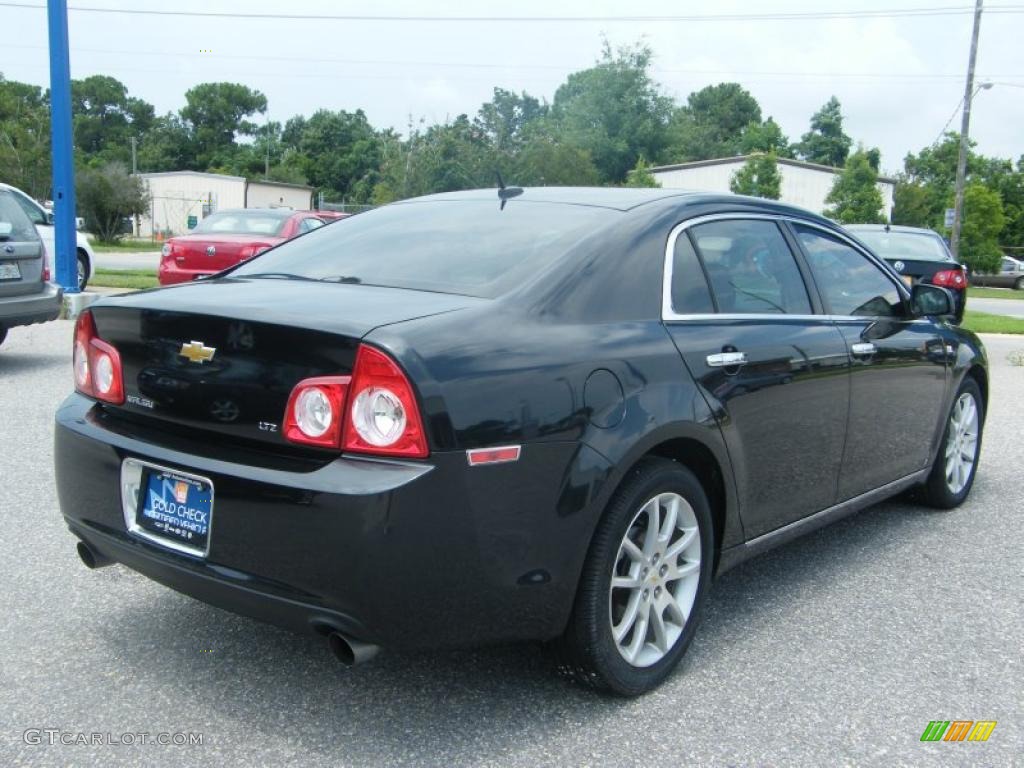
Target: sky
(899, 78)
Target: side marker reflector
(505, 453)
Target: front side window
(308, 225)
(850, 283)
(751, 268)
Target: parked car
(43, 221)
(225, 238)
(1010, 275)
(919, 256)
(26, 295)
(555, 416)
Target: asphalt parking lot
(837, 649)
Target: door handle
(727, 359)
(863, 348)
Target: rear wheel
(952, 475)
(1019, 285)
(643, 584)
(83, 270)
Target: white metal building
(181, 198)
(803, 184)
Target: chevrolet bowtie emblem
(197, 352)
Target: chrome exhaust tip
(349, 651)
(91, 558)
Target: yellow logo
(197, 352)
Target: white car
(44, 225)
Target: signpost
(950, 218)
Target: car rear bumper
(402, 554)
(38, 307)
(172, 274)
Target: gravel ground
(834, 650)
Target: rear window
(465, 247)
(924, 246)
(14, 224)
(242, 223)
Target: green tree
(108, 195)
(983, 221)
(712, 122)
(614, 111)
(641, 175)
(764, 137)
(826, 143)
(855, 196)
(338, 152)
(216, 113)
(758, 177)
(504, 119)
(105, 118)
(910, 203)
(547, 160)
(25, 137)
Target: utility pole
(266, 166)
(66, 256)
(965, 129)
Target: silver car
(1010, 275)
(26, 295)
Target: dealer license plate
(174, 509)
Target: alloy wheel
(961, 443)
(655, 579)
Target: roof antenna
(506, 193)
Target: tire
(3, 335)
(83, 270)
(949, 484)
(1019, 285)
(588, 652)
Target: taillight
(167, 250)
(372, 411)
(46, 265)
(97, 364)
(383, 415)
(316, 411)
(951, 278)
(251, 251)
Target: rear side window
(850, 283)
(14, 224)
(690, 292)
(751, 268)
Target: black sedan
(542, 414)
(918, 256)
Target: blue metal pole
(66, 257)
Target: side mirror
(49, 218)
(930, 300)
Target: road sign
(948, 221)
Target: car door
(898, 373)
(773, 369)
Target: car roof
(616, 198)
(890, 228)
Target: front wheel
(956, 464)
(1019, 285)
(643, 584)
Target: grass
(994, 293)
(126, 246)
(124, 278)
(982, 322)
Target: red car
(225, 238)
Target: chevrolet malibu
(542, 414)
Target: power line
(888, 75)
(695, 18)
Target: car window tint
(690, 292)
(849, 282)
(242, 223)
(471, 247)
(32, 211)
(308, 225)
(14, 224)
(751, 268)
